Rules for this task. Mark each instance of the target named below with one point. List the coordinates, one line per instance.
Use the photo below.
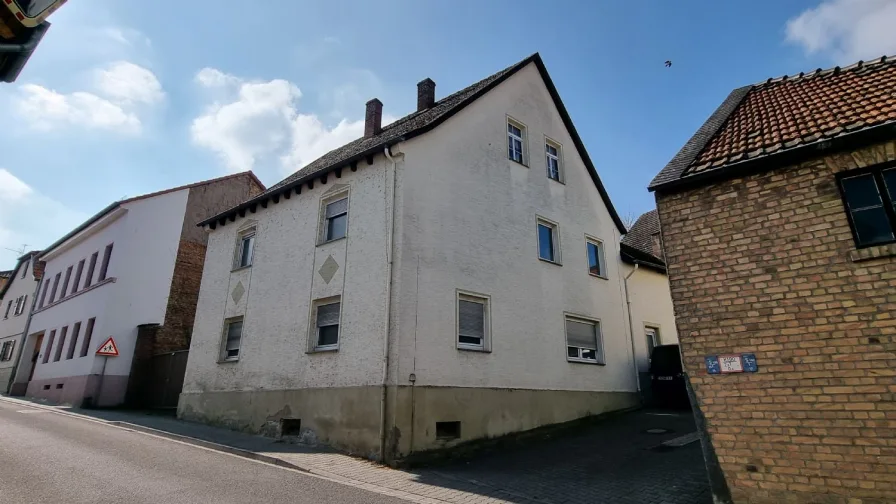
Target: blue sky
(126, 97)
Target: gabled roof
(638, 243)
(5, 274)
(102, 213)
(37, 269)
(787, 119)
(408, 127)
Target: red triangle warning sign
(109, 349)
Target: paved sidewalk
(608, 462)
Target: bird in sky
(668, 63)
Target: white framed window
(653, 339)
(548, 240)
(245, 249)
(25, 268)
(325, 327)
(516, 141)
(8, 307)
(583, 340)
(552, 160)
(594, 249)
(232, 339)
(335, 221)
(473, 321)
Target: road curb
(249, 454)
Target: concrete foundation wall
(348, 417)
(76, 390)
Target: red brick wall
(767, 264)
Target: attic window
(869, 200)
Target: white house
(16, 298)
(130, 266)
(649, 296)
(451, 276)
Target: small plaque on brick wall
(731, 363)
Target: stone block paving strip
(613, 461)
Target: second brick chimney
(426, 94)
(373, 119)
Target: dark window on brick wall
(868, 197)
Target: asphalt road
(47, 457)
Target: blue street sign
(750, 365)
(712, 364)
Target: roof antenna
(19, 252)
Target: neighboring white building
(127, 266)
(653, 317)
(16, 298)
(451, 276)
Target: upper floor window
(335, 220)
(89, 281)
(583, 340)
(596, 264)
(552, 159)
(56, 280)
(104, 268)
(472, 321)
(869, 199)
(245, 248)
(548, 241)
(326, 324)
(25, 268)
(43, 296)
(20, 304)
(80, 270)
(8, 307)
(68, 277)
(516, 141)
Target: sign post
(107, 349)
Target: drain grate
(657, 431)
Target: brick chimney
(373, 119)
(426, 94)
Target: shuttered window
(472, 322)
(233, 335)
(327, 326)
(583, 340)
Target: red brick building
(779, 229)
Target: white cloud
(212, 77)
(27, 217)
(127, 83)
(261, 120)
(121, 88)
(45, 109)
(846, 30)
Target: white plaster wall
(11, 328)
(145, 241)
(468, 219)
(281, 285)
(651, 306)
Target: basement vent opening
(290, 426)
(59, 385)
(447, 430)
(46, 387)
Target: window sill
(326, 349)
(241, 268)
(514, 161)
(82, 291)
(228, 361)
(471, 348)
(555, 263)
(873, 252)
(585, 361)
(561, 182)
(604, 277)
(321, 244)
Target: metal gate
(156, 382)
